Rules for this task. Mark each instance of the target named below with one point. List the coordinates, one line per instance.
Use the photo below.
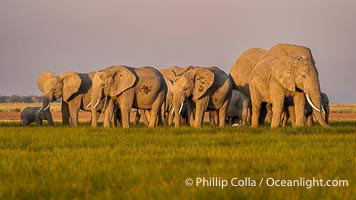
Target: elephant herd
(263, 85)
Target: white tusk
(88, 105)
(322, 109)
(39, 110)
(181, 107)
(311, 103)
(47, 106)
(172, 111)
(96, 104)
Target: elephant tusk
(322, 109)
(88, 105)
(311, 103)
(96, 104)
(39, 110)
(180, 109)
(47, 106)
(172, 111)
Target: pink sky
(87, 35)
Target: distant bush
(20, 99)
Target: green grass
(142, 163)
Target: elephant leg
(38, 121)
(327, 112)
(277, 108)
(201, 106)
(191, 110)
(213, 117)
(137, 117)
(65, 113)
(125, 102)
(74, 115)
(170, 117)
(108, 115)
(222, 113)
(309, 120)
(299, 106)
(145, 119)
(256, 105)
(155, 112)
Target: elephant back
(241, 70)
(149, 80)
(280, 50)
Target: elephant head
(299, 74)
(54, 87)
(110, 82)
(192, 85)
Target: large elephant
(36, 114)
(204, 89)
(285, 71)
(73, 87)
(142, 88)
(290, 111)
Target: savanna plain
(167, 163)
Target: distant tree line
(20, 99)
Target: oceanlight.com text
(263, 182)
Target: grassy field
(17, 107)
(142, 163)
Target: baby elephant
(36, 114)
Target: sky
(89, 35)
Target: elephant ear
(123, 78)
(203, 80)
(283, 70)
(71, 84)
(44, 76)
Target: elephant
(169, 75)
(74, 89)
(290, 111)
(36, 114)
(285, 71)
(204, 89)
(142, 88)
(238, 111)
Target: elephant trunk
(315, 103)
(48, 117)
(177, 107)
(46, 102)
(94, 100)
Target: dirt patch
(342, 117)
(57, 116)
